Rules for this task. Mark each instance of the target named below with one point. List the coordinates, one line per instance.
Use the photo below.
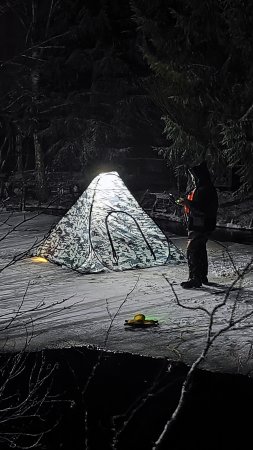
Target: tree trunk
(18, 148)
(41, 190)
(19, 156)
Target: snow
(47, 306)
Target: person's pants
(197, 255)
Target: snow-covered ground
(46, 306)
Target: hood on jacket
(201, 174)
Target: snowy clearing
(46, 306)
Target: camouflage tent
(106, 229)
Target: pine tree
(200, 56)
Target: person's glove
(180, 201)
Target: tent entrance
(126, 238)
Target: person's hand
(180, 201)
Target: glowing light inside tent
(39, 259)
(107, 181)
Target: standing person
(200, 207)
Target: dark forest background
(88, 86)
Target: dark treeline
(72, 89)
(84, 81)
(200, 56)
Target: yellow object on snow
(139, 320)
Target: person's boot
(204, 280)
(192, 283)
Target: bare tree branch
(210, 339)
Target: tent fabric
(106, 229)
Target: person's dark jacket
(203, 208)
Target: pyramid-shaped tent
(106, 229)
